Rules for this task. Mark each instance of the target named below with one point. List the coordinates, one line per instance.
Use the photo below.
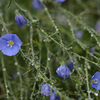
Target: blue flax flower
(20, 19)
(53, 97)
(92, 50)
(63, 71)
(10, 44)
(79, 34)
(95, 81)
(97, 26)
(60, 0)
(37, 4)
(71, 66)
(45, 90)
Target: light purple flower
(10, 44)
(92, 50)
(79, 34)
(63, 71)
(20, 19)
(97, 26)
(95, 81)
(37, 4)
(53, 97)
(71, 66)
(59, 0)
(45, 90)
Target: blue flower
(95, 81)
(71, 66)
(97, 26)
(53, 97)
(92, 50)
(79, 34)
(20, 19)
(45, 90)
(37, 4)
(63, 71)
(60, 0)
(10, 44)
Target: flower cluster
(46, 91)
(10, 45)
(64, 72)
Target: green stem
(4, 76)
(88, 90)
(48, 60)
(20, 78)
(46, 9)
(31, 40)
(62, 46)
(19, 6)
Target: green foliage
(46, 45)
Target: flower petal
(10, 51)
(20, 20)
(7, 37)
(60, 0)
(37, 4)
(96, 86)
(96, 76)
(63, 71)
(3, 44)
(52, 96)
(16, 40)
(45, 90)
(79, 34)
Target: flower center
(95, 81)
(10, 43)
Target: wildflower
(92, 50)
(45, 90)
(60, 0)
(71, 66)
(95, 81)
(20, 19)
(63, 71)
(79, 34)
(97, 26)
(37, 4)
(53, 97)
(10, 44)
